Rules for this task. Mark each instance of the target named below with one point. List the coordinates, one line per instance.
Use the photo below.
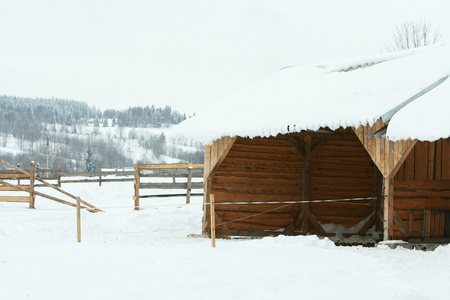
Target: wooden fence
(9, 187)
(30, 177)
(181, 175)
(174, 171)
(89, 177)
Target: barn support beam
(400, 225)
(388, 156)
(304, 216)
(388, 209)
(306, 183)
(372, 219)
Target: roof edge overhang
(388, 115)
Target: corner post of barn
(213, 221)
(388, 208)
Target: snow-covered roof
(427, 118)
(346, 92)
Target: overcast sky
(187, 54)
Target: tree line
(71, 135)
(15, 110)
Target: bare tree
(413, 34)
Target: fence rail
(181, 174)
(97, 176)
(31, 177)
(175, 171)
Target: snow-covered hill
(112, 146)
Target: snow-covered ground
(147, 254)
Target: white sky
(187, 54)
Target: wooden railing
(18, 174)
(89, 177)
(6, 186)
(174, 171)
(182, 176)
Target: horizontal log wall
(422, 184)
(257, 170)
(270, 170)
(343, 169)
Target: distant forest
(73, 129)
(13, 110)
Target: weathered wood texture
(348, 165)
(414, 161)
(271, 170)
(422, 190)
(427, 161)
(413, 198)
(386, 155)
(214, 156)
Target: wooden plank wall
(258, 170)
(423, 183)
(270, 170)
(343, 169)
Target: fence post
(136, 187)
(189, 185)
(213, 221)
(32, 194)
(99, 175)
(78, 221)
(18, 179)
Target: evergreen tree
(105, 122)
(68, 121)
(90, 164)
(162, 138)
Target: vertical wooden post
(136, 187)
(78, 221)
(388, 209)
(306, 183)
(32, 174)
(213, 220)
(189, 185)
(376, 194)
(207, 190)
(173, 176)
(99, 175)
(18, 179)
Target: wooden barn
(353, 147)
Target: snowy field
(147, 254)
